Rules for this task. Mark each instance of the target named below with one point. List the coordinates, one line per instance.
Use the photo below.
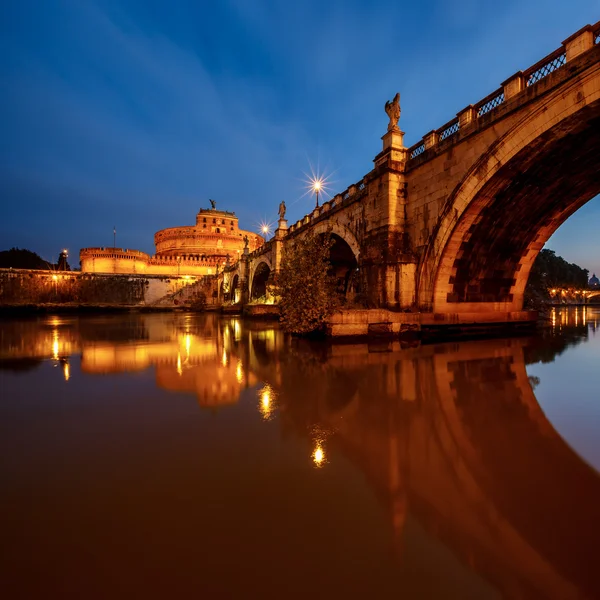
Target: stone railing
(577, 44)
(352, 193)
(266, 247)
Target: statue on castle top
(282, 210)
(213, 204)
(393, 112)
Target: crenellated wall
(131, 262)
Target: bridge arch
(260, 275)
(344, 257)
(340, 231)
(235, 288)
(511, 201)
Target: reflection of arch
(486, 478)
(259, 280)
(511, 201)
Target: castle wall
(132, 262)
(24, 286)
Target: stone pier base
(373, 322)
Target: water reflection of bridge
(450, 435)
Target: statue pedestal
(281, 228)
(394, 138)
(393, 147)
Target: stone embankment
(32, 290)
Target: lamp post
(316, 188)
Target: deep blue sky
(135, 113)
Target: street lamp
(316, 188)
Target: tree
(551, 271)
(18, 258)
(305, 286)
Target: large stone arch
(510, 202)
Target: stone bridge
(452, 225)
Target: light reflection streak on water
(265, 405)
(55, 344)
(319, 436)
(318, 456)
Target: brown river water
(193, 456)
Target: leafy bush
(304, 285)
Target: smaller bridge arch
(344, 256)
(259, 278)
(340, 231)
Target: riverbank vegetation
(549, 272)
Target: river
(188, 455)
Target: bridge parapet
(571, 48)
(351, 194)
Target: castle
(180, 251)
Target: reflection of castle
(189, 250)
(215, 383)
(186, 363)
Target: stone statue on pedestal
(393, 112)
(282, 210)
(246, 241)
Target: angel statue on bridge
(393, 112)
(282, 210)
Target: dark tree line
(551, 271)
(21, 258)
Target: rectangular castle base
(381, 322)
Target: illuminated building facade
(190, 250)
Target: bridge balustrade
(574, 46)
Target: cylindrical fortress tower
(216, 233)
(193, 250)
